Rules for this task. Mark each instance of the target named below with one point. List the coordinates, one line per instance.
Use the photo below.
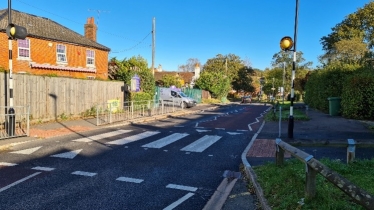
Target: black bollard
(11, 122)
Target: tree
(170, 80)
(244, 80)
(189, 66)
(215, 82)
(349, 37)
(283, 65)
(127, 68)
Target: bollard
(351, 150)
(11, 122)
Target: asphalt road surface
(176, 163)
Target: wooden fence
(51, 98)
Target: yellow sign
(113, 105)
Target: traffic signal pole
(291, 117)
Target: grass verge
(284, 186)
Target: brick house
(53, 49)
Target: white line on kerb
(179, 201)
(19, 181)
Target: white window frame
(62, 54)
(88, 59)
(24, 48)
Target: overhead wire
(116, 35)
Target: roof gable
(44, 28)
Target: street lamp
(287, 44)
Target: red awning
(64, 68)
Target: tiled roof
(47, 29)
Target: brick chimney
(90, 29)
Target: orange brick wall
(42, 53)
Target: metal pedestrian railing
(14, 122)
(108, 113)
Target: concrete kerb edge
(251, 174)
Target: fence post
(279, 153)
(280, 121)
(110, 113)
(28, 121)
(310, 181)
(132, 109)
(149, 109)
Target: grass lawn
(284, 186)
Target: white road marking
(166, 140)
(201, 144)
(26, 151)
(241, 130)
(69, 155)
(19, 181)
(198, 130)
(181, 187)
(234, 133)
(179, 126)
(7, 164)
(179, 201)
(83, 173)
(220, 128)
(128, 179)
(102, 136)
(133, 138)
(39, 168)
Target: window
(90, 54)
(23, 48)
(61, 53)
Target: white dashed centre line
(128, 179)
(82, 173)
(181, 187)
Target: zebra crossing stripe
(166, 140)
(102, 136)
(201, 144)
(133, 138)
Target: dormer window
(61, 53)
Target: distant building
(51, 48)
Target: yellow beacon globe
(286, 43)
(12, 31)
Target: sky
(202, 29)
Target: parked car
(246, 99)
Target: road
(175, 163)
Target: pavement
(322, 136)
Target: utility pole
(284, 75)
(153, 45)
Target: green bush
(358, 96)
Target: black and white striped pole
(14, 32)
(287, 44)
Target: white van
(174, 96)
